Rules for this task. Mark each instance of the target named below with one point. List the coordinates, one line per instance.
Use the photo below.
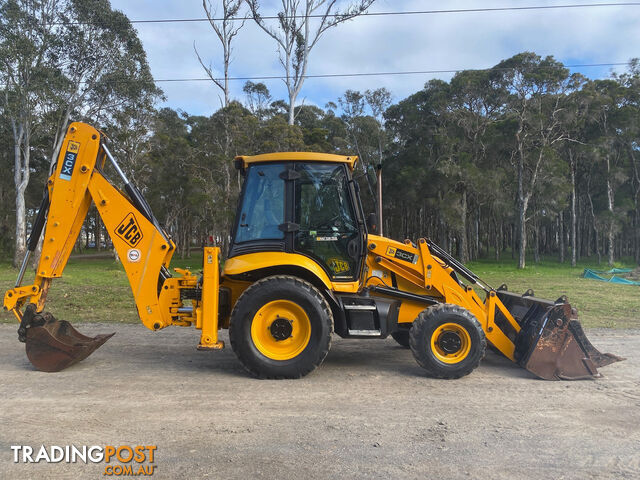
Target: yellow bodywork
(297, 157)
(142, 248)
(145, 251)
(426, 274)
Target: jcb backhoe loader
(301, 265)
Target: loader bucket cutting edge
(56, 345)
(552, 344)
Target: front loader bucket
(551, 343)
(53, 345)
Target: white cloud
(383, 44)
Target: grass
(90, 290)
(96, 290)
(599, 304)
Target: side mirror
(372, 223)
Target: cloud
(383, 44)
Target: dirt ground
(368, 412)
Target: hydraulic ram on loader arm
(143, 246)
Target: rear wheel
(281, 328)
(447, 341)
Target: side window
(263, 206)
(328, 230)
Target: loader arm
(143, 246)
(543, 336)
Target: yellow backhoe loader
(302, 264)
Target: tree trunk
(522, 235)
(561, 235)
(610, 233)
(498, 239)
(97, 233)
(574, 252)
(463, 253)
(21, 179)
(536, 242)
(21, 229)
(477, 234)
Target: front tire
(281, 328)
(447, 341)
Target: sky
(444, 41)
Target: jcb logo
(338, 265)
(129, 230)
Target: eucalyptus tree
(300, 25)
(28, 47)
(475, 102)
(610, 117)
(537, 89)
(63, 59)
(226, 27)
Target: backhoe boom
(144, 248)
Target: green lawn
(90, 290)
(599, 304)
(96, 290)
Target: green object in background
(593, 274)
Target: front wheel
(447, 341)
(281, 328)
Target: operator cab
(303, 203)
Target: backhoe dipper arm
(143, 246)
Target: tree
(475, 101)
(258, 98)
(104, 66)
(361, 130)
(378, 101)
(535, 103)
(610, 118)
(296, 36)
(226, 30)
(64, 58)
(28, 44)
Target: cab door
(328, 228)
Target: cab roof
(243, 161)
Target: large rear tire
(281, 328)
(447, 341)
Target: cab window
(262, 209)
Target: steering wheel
(327, 223)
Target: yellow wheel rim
(281, 330)
(450, 343)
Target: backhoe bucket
(53, 345)
(551, 343)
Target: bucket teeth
(53, 345)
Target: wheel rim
(281, 330)
(450, 343)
